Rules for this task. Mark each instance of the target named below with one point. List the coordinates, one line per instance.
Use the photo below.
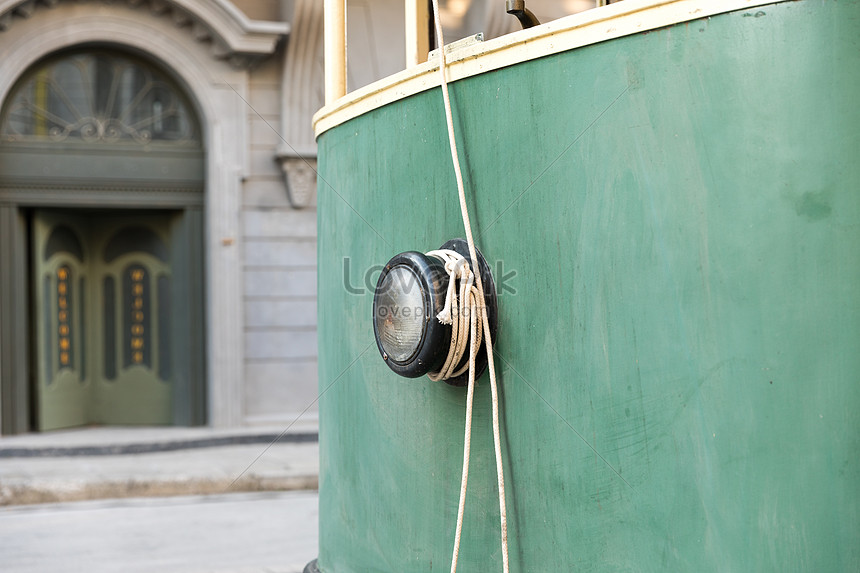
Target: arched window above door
(97, 96)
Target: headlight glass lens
(400, 313)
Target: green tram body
(673, 220)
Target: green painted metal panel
(679, 361)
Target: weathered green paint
(681, 209)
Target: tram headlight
(409, 294)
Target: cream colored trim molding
(583, 29)
(334, 39)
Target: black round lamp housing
(409, 294)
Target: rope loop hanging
(475, 292)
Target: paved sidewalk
(272, 532)
(102, 463)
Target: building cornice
(233, 36)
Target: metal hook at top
(524, 15)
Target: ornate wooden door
(103, 319)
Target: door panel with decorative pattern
(134, 275)
(103, 319)
(61, 279)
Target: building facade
(158, 234)
(158, 203)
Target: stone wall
(279, 264)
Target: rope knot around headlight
(463, 313)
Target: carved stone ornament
(300, 177)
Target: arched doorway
(101, 164)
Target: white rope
(486, 330)
(457, 315)
(458, 312)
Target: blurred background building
(157, 202)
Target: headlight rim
(433, 345)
